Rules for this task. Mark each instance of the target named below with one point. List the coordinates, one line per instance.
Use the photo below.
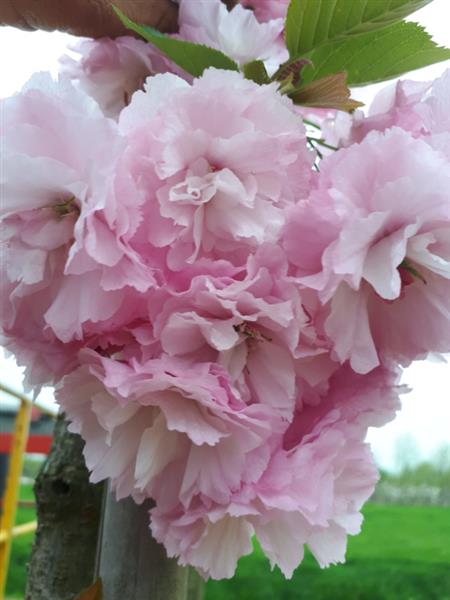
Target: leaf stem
(321, 143)
(311, 124)
(310, 142)
(325, 145)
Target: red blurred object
(39, 444)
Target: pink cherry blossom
(167, 428)
(237, 33)
(266, 10)
(433, 110)
(251, 325)
(373, 239)
(435, 115)
(110, 71)
(415, 106)
(393, 106)
(217, 162)
(222, 323)
(67, 270)
(310, 493)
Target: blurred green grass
(403, 553)
(21, 547)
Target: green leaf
(193, 58)
(256, 71)
(376, 56)
(311, 23)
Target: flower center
(67, 207)
(251, 333)
(408, 273)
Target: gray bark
(68, 507)
(132, 564)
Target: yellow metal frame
(7, 529)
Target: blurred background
(403, 552)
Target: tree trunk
(196, 586)
(132, 564)
(68, 508)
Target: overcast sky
(425, 415)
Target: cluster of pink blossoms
(221, 321)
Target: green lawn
(402, 554)
(21, 547)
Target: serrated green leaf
(376, 56)
(256, 71)
(311, 23)
(193, 58)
